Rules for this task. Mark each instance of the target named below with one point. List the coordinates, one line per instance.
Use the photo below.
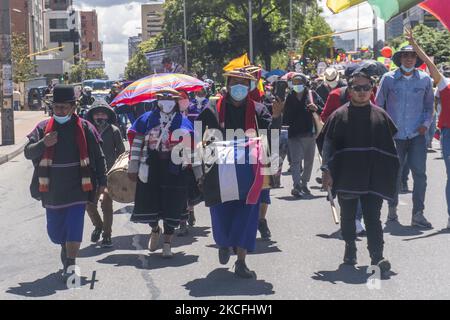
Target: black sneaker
(383, 264)
(95, 236)
(296, 192)
(183, 231)
(241, 270)
(305, 191)
(107, 242)
(350, 254)
(264, 229)
(224, 255)
(191, 219)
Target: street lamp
(6, 83)
(290, 25)
(185, 37)
(250, 30)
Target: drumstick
(333, 207)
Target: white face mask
(166, 106)
(333, 84)
(184, 104)
(200, 100)
(299, 88)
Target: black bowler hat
(63, 94)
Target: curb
(13, 154)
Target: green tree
(80, 72)
(218, 29)
(137, 67)
(434, 42)
(315, 25)
(23, 67)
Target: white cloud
(120, 19)
(347, 20)
(116, 23)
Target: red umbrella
(144, 89)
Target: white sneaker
(153, 244)
(167, 251)
(360, 230)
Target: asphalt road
(303, 261)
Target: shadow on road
(337, 235)
(347, 274)
(437, 233)
(262, 246)
(292, 198)
(222, 282)
(43, 287)
(154, 261)
(397, 229)
(126, 242)
(125, 210)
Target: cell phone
(280, 89)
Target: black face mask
(101, 123)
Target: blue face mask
(239, 92)
(407, 70)
(62, 120)
(252, 85)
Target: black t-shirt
(235, 116)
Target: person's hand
(133, 176)
(410, 37)
(51, 139)
(102, 190)
(327, 180)
(313, 107)
(277, 107)
(422, 130)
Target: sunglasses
(364, 88)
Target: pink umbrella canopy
(145, 89)
(288, 76)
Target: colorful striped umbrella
(145, 88)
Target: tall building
(347, 45)
(133, 43)
(394, 27)
(91, 48)
(414, 16)
(58, 4)
(152, 19)
(61, 28)
(27, 19)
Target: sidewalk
(24, 122)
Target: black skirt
(165, 194)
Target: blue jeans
(414, 152)
(445, 141)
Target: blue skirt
(235, 224)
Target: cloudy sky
(120, 19)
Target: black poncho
(365, 159)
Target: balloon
(386, 52)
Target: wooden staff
(333, 207)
